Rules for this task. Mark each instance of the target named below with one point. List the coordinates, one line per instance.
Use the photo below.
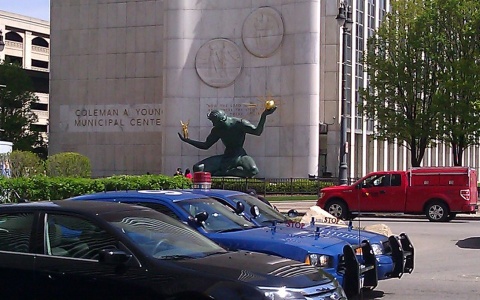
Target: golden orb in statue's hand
(269, 104)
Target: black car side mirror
(293, 213)
(240, 208)
(201, 217)
(113, 256)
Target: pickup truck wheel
(337, 208)
(451, 216)
(437, 212)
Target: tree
(16, 115)
(68, 164)
(402, 79)
(424, 65)
(25, 164)
(458, 36)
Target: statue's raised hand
(269, 111)
(181, 137)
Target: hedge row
(269, 186)
(42, 187)
(53, 188)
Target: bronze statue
(185, 128)
(231, 131)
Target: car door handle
(382, 192)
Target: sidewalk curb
(397, 216)
(302, 206)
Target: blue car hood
(352, 236)
(256, 239)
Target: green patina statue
(232, 131)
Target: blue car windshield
(163, 237)
(268, 215)
(220, 218)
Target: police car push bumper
(402, 254)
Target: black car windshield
(268, 214)
(162, 237)
(220, 218)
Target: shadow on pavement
(369, 295)
(469, 243)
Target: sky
(39, 9)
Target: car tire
(451, 216)
(437, 212)
(337, 208)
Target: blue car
(394, 254)
(223, 225)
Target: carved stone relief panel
(218, 62)
(263, 31)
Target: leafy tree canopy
(421, 64)
(16, 115)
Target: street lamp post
(344, 19)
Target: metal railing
(275, 186)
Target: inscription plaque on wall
(251, 110)
(263, 31)
(218, 62)
(111, 118)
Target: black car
(96, 250)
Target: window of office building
(359, 48)
(40, 64)
(348, 83)
(16, 60)
(38, 41)
(39, 128)
(13, 36)
(370, 32)
(383, 9)
(39, 106)
(371, 17)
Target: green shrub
(54, 188)
(25, 164)
(68, 164)
(151, 182)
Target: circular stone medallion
(218, 62)
(263, 31)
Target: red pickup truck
(438, 192)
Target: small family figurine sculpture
(185, 128)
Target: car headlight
(318, 260)
(377, 249)
(281, 294)
(295, 294)
(320, 195)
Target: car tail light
(465, 194)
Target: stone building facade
(125, 74)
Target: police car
(223, 225)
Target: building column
(27, 50)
